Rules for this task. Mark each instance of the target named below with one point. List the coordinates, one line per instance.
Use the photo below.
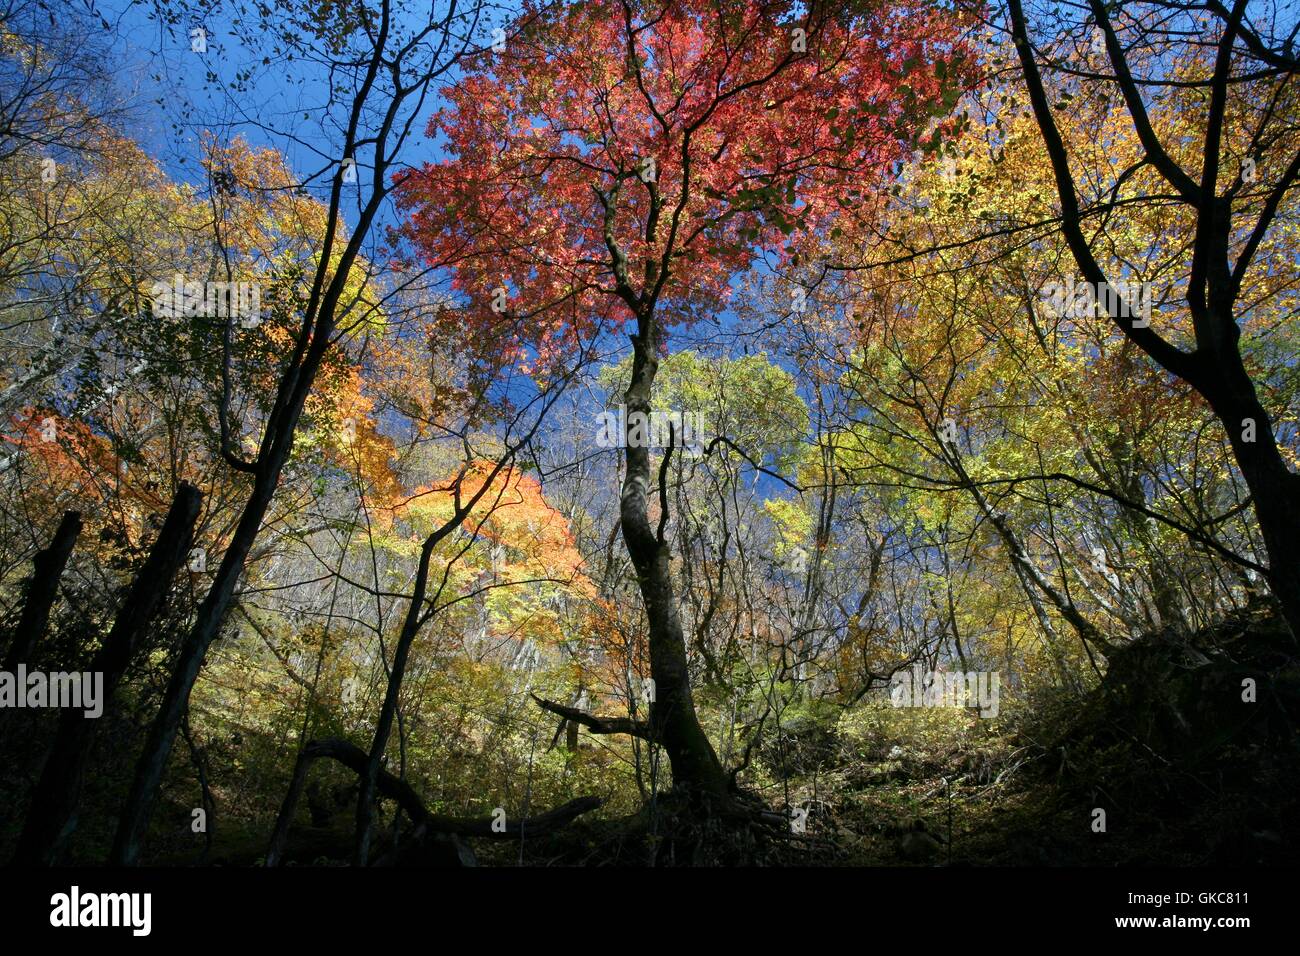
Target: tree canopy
(655, 433)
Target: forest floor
(1185, 767)
(1186, 770)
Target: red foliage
(547, 191)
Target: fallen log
(428, 826)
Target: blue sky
(178, 93)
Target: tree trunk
(411, 625)
(673, 721)
(1274, 488)
(280, 836)
(388, 711)
(212, 612)
(47, 568)
(52, 816)
(316, 336)
(1215, 369)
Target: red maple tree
(622, 161)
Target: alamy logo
(917, 688)
(221, 300)
(102, 909)
(1124, 300)
(23, 688)
(655, 429)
